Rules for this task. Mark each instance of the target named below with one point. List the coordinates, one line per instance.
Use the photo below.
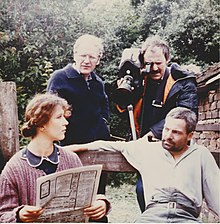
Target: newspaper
(65, 194)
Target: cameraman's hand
(151, 137)
(119, 81)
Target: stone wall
(207, 131)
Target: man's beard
(170, 146)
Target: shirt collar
(71, 72)
(89, 77)
(36, 161)
(191, 148)
(74, 73)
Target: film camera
(130, 75)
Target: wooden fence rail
(115, 161)
(111, 161)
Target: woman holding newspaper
(46, 123)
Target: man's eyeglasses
(91, 58)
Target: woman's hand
(97, 210)
(30, 213)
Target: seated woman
(46, 123)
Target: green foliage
(34, 40)
(154, 16)
(195, 34)
(117, 179)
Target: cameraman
(163, 89)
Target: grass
(125, 208)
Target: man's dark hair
(156, 41)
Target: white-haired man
(85, 92)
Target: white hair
(93, 40)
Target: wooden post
(9, 134)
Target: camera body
(131, 74)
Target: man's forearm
(75, 148)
